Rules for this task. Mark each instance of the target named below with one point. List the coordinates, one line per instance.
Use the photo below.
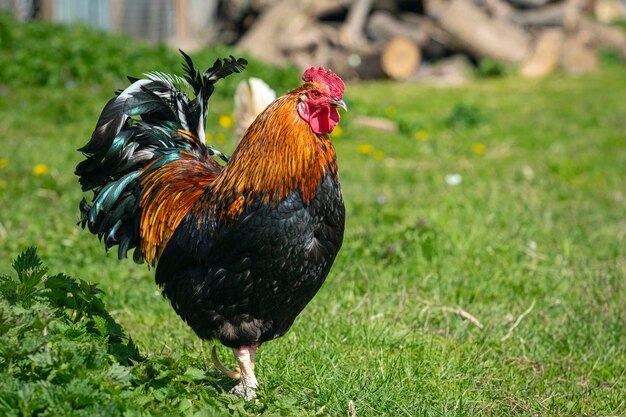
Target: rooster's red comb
(327, 77)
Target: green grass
(535, 231)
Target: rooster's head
(319, 98)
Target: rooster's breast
(253, 278)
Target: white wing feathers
(251, 98)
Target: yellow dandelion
(220, 138)
(209, 138)
(40, 169)
(422, 135)
(478, 148)
(378, 154)
(391, 111)
(4, 163)
(337, 132)
(365, 148)
(226, 121)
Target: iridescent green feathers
(152, 122)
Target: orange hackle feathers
(168, 194)
(278, 155)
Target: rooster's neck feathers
(278, 156)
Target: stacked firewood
(411, 39)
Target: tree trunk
(474, 31)
(545, 56)
(400, 58)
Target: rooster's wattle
(240, 247)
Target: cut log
(400, 58)
(499, 9)
(383, 26)
(397, 59)
(577, 56)
(550, 15)
(452, 71)
(604, 37)
(351, 32)
(564, 14)
(529, 4)
(472, 30)
(306, 39)
(545, 56)
(321, 55)
(280, 22)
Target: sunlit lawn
(484, 264)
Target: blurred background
(483, 166)
(437, 41)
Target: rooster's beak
(339, 103)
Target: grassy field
(483, 270)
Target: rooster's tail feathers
(204, 84)
(150, 124)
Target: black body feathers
(251, 280)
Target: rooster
(240, 244)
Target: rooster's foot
(246, 356)
(243, 391)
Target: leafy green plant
(61, 353)
(488, 68)
(60, 350)
(611, 58)
(73, 302)
(465, 115)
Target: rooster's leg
(246, 356)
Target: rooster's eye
(315, 94)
